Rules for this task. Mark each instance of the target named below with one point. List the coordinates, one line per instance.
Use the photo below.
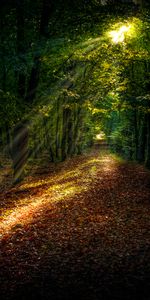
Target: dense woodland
(63, 79)
(74, 149)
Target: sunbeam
(61, 187)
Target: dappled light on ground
(79, 232)
(60, 187)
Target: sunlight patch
(118, 36)
(54, 190)
(124, 31)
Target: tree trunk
(48, 137)
(57, 141)
(70, 134)
(142, 140)
(67, 133)
(78, 121)
(64, 134)
(21, 46)
(42, 28)
(135, 135)
(33, 81)
(147, 161)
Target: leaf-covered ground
(77, 231)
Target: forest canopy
(69, 70)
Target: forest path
(80, 230)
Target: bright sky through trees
(118, 36)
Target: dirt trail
(80, 231)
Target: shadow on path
(91, 244)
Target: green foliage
(10, 109)
(65, 70)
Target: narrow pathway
(80, 231)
